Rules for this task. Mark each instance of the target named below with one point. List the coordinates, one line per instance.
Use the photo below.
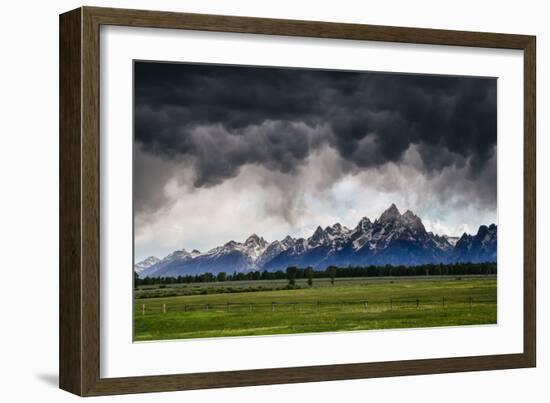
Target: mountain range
(394, 239)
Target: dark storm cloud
(219, 118)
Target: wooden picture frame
(79, 347)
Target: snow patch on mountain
(146, 263)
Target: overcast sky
(222, 152)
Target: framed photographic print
(249, 201)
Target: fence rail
(273, 306)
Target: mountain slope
(481, 247)
(145, 264)
(394, 238)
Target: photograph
(289, 200)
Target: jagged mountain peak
(288, 240)
(413, 221)
(319, 233)
(364, 224)
(150, 260)
(337, 229)
(481, 247)
(146, 263)
(391, 213)
(318, 237)
(177, 254)
(484, 229)
(255, 240)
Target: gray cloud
(214, 120)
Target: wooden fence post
(163, 308)
(143, 309)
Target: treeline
(332, 272)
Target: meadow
(268, 307)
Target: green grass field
(350, 304)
